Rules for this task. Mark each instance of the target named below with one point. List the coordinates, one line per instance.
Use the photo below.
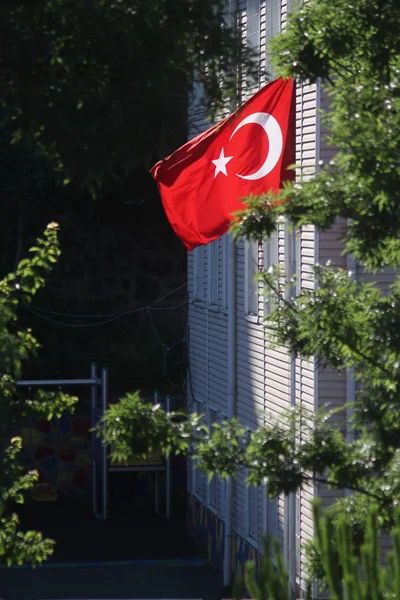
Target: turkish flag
(204, 182)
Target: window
(199, 273)
(197, 93)
(212, 249)
(212, 488)
(222, 482)
(292, 4)
(271, 516)
(271, 258)
(292, 259)
(197, 472)
(253, 24)
(298, 531)
(225, 270)
(197, 479)
(292, 267)
(222, 498)
(251, 270)
(252, 512)
(272, 27)
(253, 34)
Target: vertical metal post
(156, 400)
(93, 402)
(168, 471)
(104, 404)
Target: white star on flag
(220, 163)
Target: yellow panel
(65, 476)
(83, 460)
(155, 459)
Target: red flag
(202, 183)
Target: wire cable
(112, 316)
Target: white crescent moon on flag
(275, 138)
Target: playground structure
(101, 463)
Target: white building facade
(230, 360)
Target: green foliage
(356, 48)
(95, 89)
(271, 581)
(221, 449)
(137, 428)
(348, 575)
(357, 573)
(17, 346)
(18, 547)
(353, 49)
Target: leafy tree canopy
(17, 346)
(92, 90)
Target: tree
(354, 49)
(16, 347)
(94, 90)
(93, 93)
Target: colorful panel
(208, 531)
(60, 450)
(243, 551)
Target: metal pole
(63, 382)
(168, 473)
(156, 397)
(93, 398)
(104, 403)
(156, 400)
